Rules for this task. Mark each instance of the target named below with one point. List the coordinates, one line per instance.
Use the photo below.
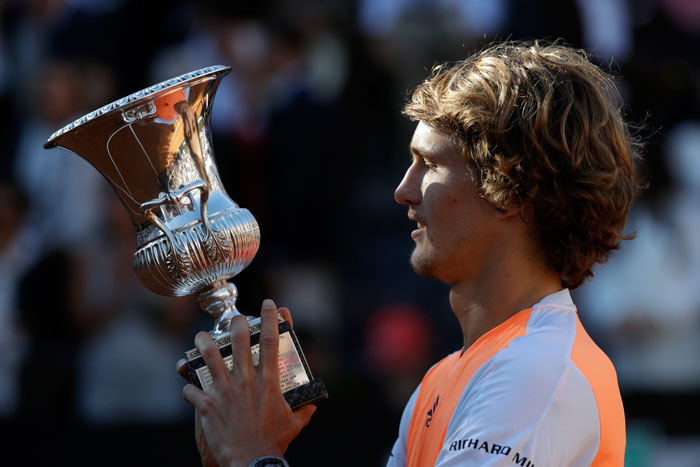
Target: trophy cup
(154, 147)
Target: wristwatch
(269, 461)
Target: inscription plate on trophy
(297, 383)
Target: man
(522, 175)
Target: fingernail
(268, 304)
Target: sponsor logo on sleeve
(491, 448)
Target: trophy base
(299, 387)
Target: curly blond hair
(542, 125)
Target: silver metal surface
(154, 147)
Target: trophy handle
(181, 261)
(173, 198)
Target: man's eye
(431, 166)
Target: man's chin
(422, 266)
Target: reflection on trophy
(154, 148)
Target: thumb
(303, 415)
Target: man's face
(457, 230)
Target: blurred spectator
(684, 13)
(18, 252)
(607, 29)
(65, 193)
(380, 18)
(398, 346)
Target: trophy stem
(220, 302)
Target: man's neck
(483, 304)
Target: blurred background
(308, 135)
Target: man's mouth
(420, 229)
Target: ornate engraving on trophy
(154, 148)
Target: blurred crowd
(308, 136)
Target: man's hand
(244, 415)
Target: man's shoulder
(546, 394)
(542, 343)
(551, 346)
(555, 352)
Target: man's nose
(408, 191)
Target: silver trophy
(154, 147)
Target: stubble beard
(422, 264)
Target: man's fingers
(193, 395)
(269, 341)
(182, 369)
(303, 415)
(286, 315)
(212, 357)
(240, 347)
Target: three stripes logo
(431, 412)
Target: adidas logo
(431, 412)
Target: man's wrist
(269, 461)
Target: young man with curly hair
(523, 172)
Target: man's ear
(510, 213)
(522, 211)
